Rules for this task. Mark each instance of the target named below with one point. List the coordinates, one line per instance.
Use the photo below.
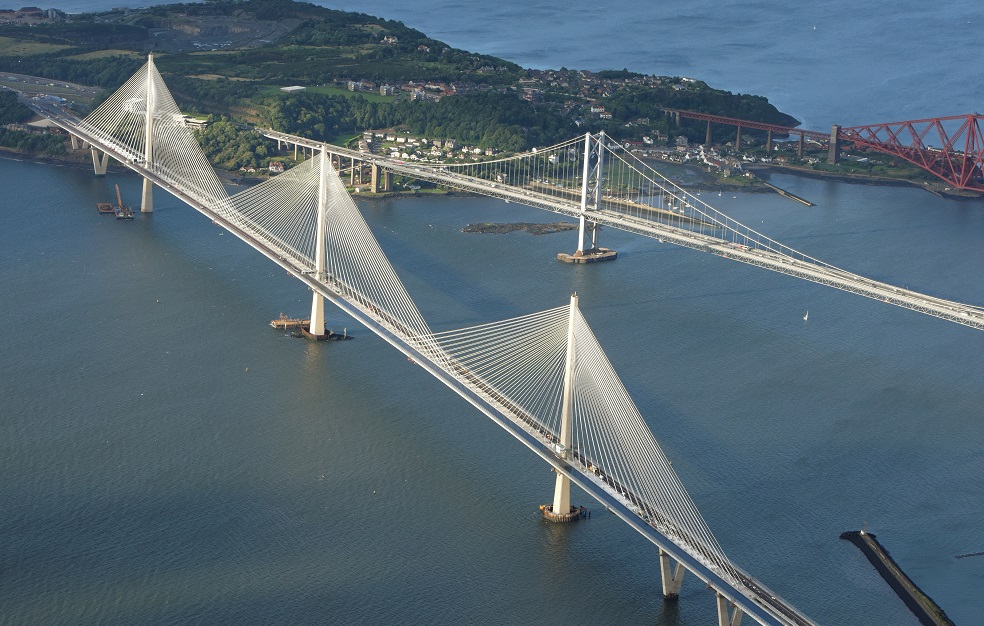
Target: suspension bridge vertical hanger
(593, 172)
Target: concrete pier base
(100, 160)
(592, 255)
(147, 197)
(572, 515)
(672, 575)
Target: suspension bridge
(543, 377)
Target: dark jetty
(921, 605)
(532, 228)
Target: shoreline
(80, 160)
(876, 181)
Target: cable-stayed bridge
(543, 377)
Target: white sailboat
(807, 316)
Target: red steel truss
(957, 156)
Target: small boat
(807, 316)
(105, 208)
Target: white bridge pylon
(514, 371)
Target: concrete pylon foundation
(317, 326)
(672, 574)
(147, 197)
(100, 160)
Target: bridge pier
(799, 147)
(727, 617)
(833, 153)
(672, 576)
(381, 179)
(707, 135)
(147, 197)
(99, 163)
(738, 140)
(768, 143)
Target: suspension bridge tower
(591, 187)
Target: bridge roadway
(799, 267)
(740, 588)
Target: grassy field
(100, 54)
(331, 90)
(10, 47)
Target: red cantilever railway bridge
(951, 148)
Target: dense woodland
(503, 121)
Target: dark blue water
(168, 458)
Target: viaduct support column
(374, 172)
(677, 115)
(672, 576)
(799, 148)
(147, 197)
(833, 154)
(707, 135)
(317, 326)
(561, 510)
(75, 142)
(99, 161)
(727, 617)
(768, 143)
(738, 140)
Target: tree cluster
(491, 120)
(11, 110)
(34, 143)
(230, 148)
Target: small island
(529, 227)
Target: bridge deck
(821, 273)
